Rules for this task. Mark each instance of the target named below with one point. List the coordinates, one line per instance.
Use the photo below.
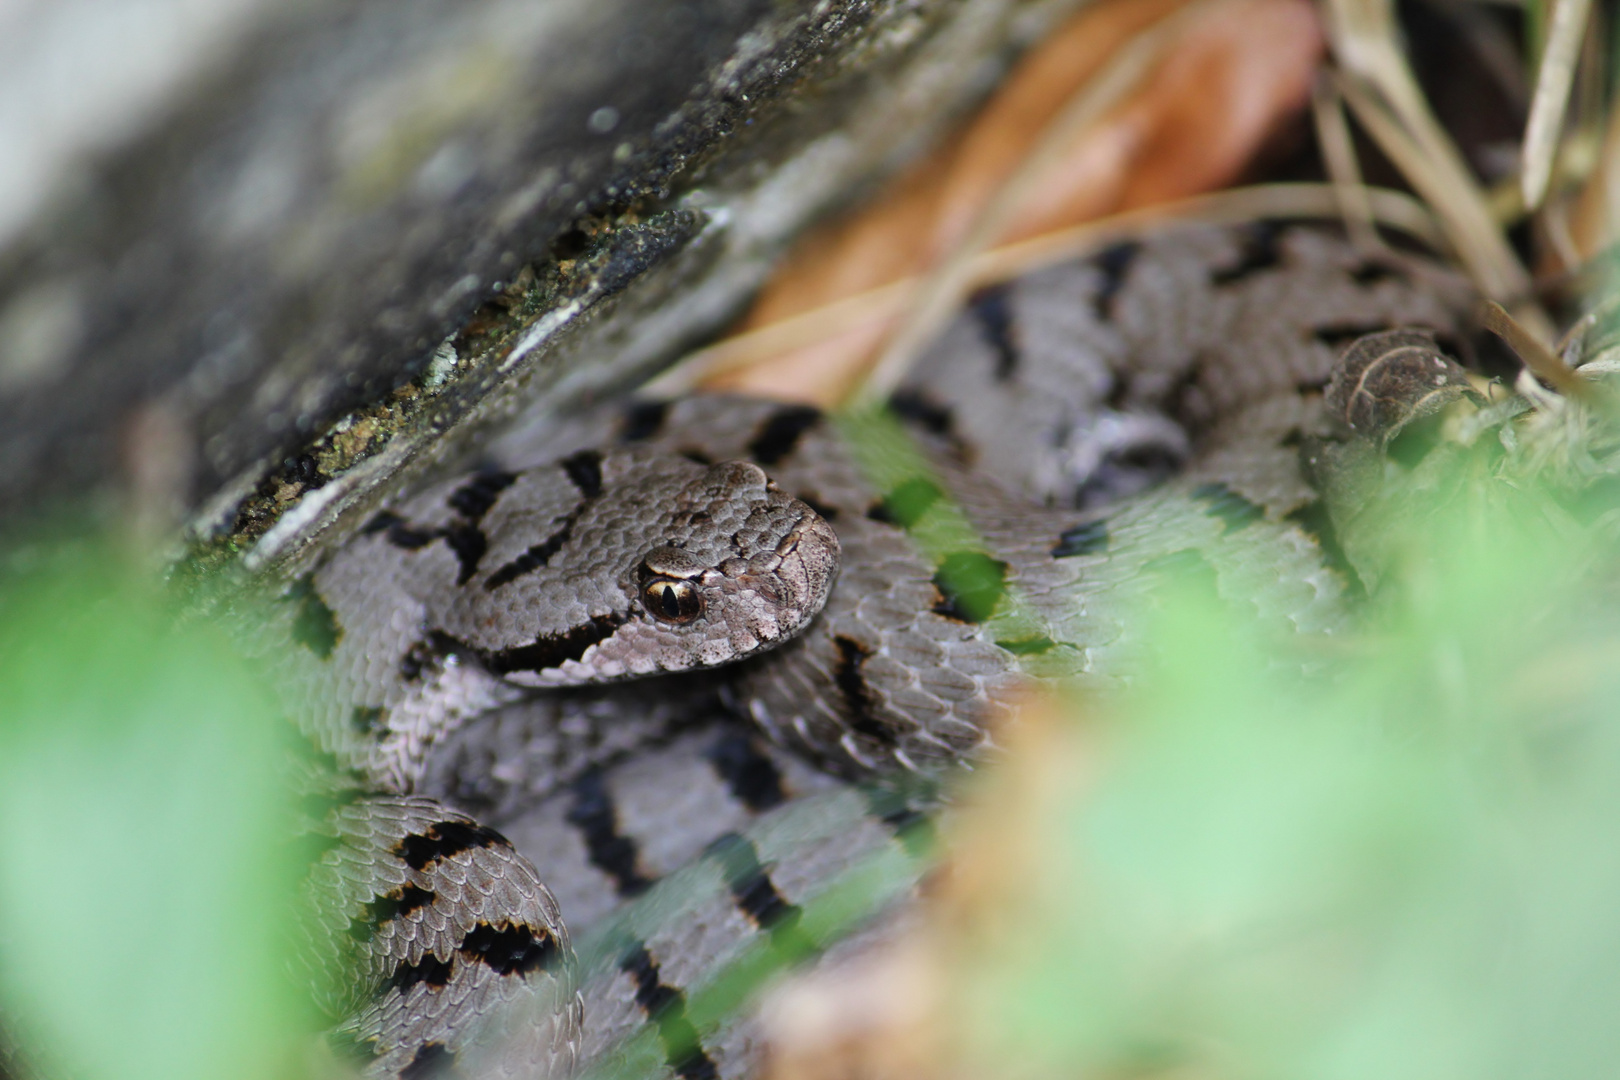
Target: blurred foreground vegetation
(144, 841)
(1388, 854)
(1401, 866)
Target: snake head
(743, 566)
(658, 563)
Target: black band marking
(1260, 252)
(756, 895)
(469, 543)
(665, 1006)
(1186, 400)
(1127, 470)
(913, 828)
(597, 820)
(427, 653)
(386, 908)
(465, 539)
(919, 408)
(402, 534)
(430, 970)
(780, 433)
(509, 949)
(970, 585)
(382, 520)
(750, 776)
(992, 308)
(315, 626)
(825, 512)
(432, 1062)
(859, 701)
(474, 499)
(534, 558)
(584, 469)
(1233, 509)
(444, 840)
(1372, 272)
(1337, 335)
(416, 658)
(1113, 263)
(552, 650)
(643, 420)
(1088, 539)
(400, 901)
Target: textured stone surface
(290, 254)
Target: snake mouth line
(549, 650)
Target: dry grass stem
(1505, 200)
(1541, 360)
(1551, 100)
(1384, 94)
(1597, 208)
(1231, 206)
(943, 289)
(1555, 228)
(1461, 208)
(1339, 155)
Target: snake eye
(672, 600)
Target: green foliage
(1400, 864)
(142, 896)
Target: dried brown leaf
(1225, 80)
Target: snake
(660, 667)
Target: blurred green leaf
(1402, 867)
(141, 896)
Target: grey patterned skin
(680, 858)
(1099, 423)
(1044, 407)
(455, 922)
(747, 888)
(604, 566)
(607, 565)
(610, 832)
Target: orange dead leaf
(1221, 86)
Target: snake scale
(656, 655)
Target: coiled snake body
(1092, 423)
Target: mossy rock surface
(336, 232)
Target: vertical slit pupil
(676, 601)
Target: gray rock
(265, 254)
